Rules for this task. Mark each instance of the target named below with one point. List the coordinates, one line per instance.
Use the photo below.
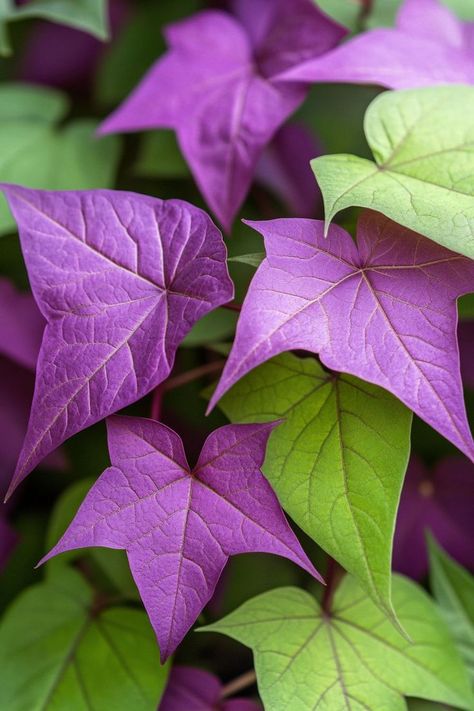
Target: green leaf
(346, 12)
(253, 260)
(35, 152)
(59, 651)
(159, 157)
(453, 589)
(87, 15)
(111, 562)
(212, 328)
(384, 12)
(336, 463)
(423, 175)
(351, 658)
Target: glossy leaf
(57, 651)
(336, 462)
(35, 152)
(197, 690)
(352, 658)
(384, 311)
(120, 278)
(423, 174)
(223, 98)
(87, 15)
(453, 588)
(179, 525)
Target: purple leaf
(284, 168)
(466, 350)
(429, 45)
(384, 310)
(198, 690)
(180, 525)
(440, 500)
(120, 278)
(21, 326)
(217, 87)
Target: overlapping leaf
(453, 588)
(384, 310)
(58, 650)
(180, 525)
(36, 153)
(423, 175)
(350, 657)
(87, 15)
(222, 96)
(336, 462)
(429, 45)
(120, 278)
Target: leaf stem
(232, 306)
(332, 577)
(178, 381)
(241, 682)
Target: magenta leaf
(120, 278)
(21, 326)
(441, 501)
(180, 525)
(384, 310)
(218, 87)
(193, 689)
(429, 45)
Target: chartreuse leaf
(336, 462)
(423, 174)
(87, 15)
(384, 12)
(351, 658)
(59, 651)
(453, 588)
(36, 153)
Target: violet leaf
(36, 152)
(180, 525)
(383, 310)
(120, 278)
(337, 461)
(348, 657)
(423, 174)
(440, 500)
(59, 650)
(429, 45)
(222, 96)
(198, 690)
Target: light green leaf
(453, 588)
(352, 658)
(159, 156)
(423, 174)
(253, 260)
(346, 12)
(384, 12)
(87, 15)
(336, 463)
(35, 152)
(58, 651)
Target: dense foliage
(236, 317)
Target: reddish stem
(333, 574)
(238, 684)
(232, 306)
(180, 380)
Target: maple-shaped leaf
(383, 310)
(198, 690)
(179, 525)
(429, 45)
(218, 87)
(336, 462)
(441, 501)
(349, 657)
(422, 175)
(120, 278)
